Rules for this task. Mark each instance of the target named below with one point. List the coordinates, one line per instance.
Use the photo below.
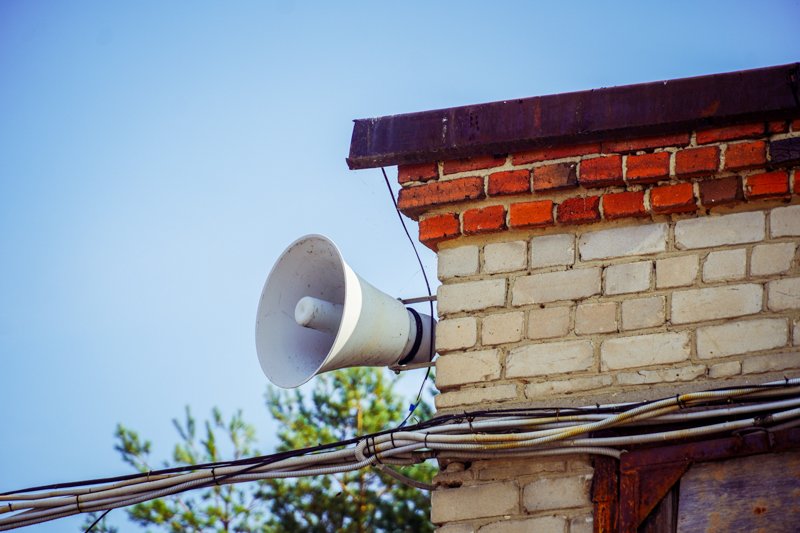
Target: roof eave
(645, 109)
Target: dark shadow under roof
(654, 108)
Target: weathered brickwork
(514, 495)
(583, 184)
(692, 293)
(600, 268)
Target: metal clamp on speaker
(316, 315)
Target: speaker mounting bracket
(402, 368)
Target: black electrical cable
(254, 462)
(413, 406)
(263, 460)
(88, 529)
(257, 461)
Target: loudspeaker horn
(316, 315)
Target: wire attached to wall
(506, 433)
(414, 405)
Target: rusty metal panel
(654, 484)
(750, 443)
(633, 110)
(605, 489)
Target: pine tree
(342, 404)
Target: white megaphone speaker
(316, 315)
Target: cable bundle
(474, 435)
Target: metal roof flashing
(655, 108)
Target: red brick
(796, 125)
(729, 133)
(414, 200)
(623, 204)
(438, 228)
(579, 210)
(601, 171)
(796, 182)
(721, 191)
(422, 172)
(767, 185)
(778, 126)
(647, 168)
(531, 214)
(485, 220)
(557, 152)
(743, 155)
(473, 163)
(647, 143)
(509, 182)
(556, 176)
(672, 199)
(696, 161)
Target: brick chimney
(597, 247)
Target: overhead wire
(474, 435)
(414, 405)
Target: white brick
(725, 265)
(706, 232)
(555, 286)
(566, 386)
(539, 524)
(756, 364)
(553, 250)
(580, 464)
(547, 494)
(741, 337)
(796, 337)
(461, 261)
(596, 318)
(501, 328)
(501, 468)
(505, 257)
(467, 367)
(581, 524)
(676, 271)
(547, 359)
(476, 395)
(465, 527)
(772, 258)
(785, 221)
(783, 294)
(480, 501)
(456, 333)
(548, 322)
(643, 313)
(623, 242)
(696, 305)
(627, 278)
(644, 350)
(664, 375)
(457, 528)
(471, 295)
(724, 370)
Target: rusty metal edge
(752, 443)
(605, 494)
(655, 108)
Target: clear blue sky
(157, 157)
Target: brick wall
(600, 272)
